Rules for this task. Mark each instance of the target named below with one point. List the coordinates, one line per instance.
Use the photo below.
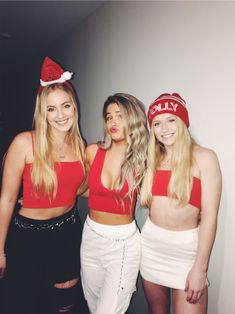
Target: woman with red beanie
(39, 250)
(182, 189)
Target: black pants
(41, 253)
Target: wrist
(200, 269)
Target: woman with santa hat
(40, 244)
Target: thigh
(92, 269)
(181, 306)
(62, 267)
(63, 250)
(24, 272)
(158, 297)
(64, 300)
(121, 262)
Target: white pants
(110, 260)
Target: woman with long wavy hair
(110, 250)
(182, 189)
(39, 250)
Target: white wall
(146, 48)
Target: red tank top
(70, 175)
(160, 185)
(103, 199)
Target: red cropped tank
(104, 199)
(160, 185)
(69, 174)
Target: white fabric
(66, 76)
(167, 256)
(110, 260)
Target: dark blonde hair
(43, 173)
(180, 185)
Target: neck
(169, 150)
(58, 137)
(166, 161)
(120, 147)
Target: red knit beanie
(169, 103)
(52, 73)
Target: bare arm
(211, 193)
(12, 176)
(89, 157)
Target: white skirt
(167, 256)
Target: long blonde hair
(136, 132)
(180, 184)
(43, 173)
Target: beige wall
(146, 48)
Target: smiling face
(165, 128)
(60, 111)
(114, 122)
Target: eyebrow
(65, 102)
(118, 111)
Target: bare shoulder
(21, 142)
(91, 152)
(205, 157)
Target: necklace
(166, 162)
(60, 151)
(61, 156)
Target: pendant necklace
(60, 151)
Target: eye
(119, 116)
(108, 118)
(156, 123)
(50, 109)
(67, 105)
(172, 120)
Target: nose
(115, 121)
(164, 127)
(60, 113)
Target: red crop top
(70, 175)
(103, 199)
(160, 185)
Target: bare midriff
(44, 213)
(165, 214)
(110, 219)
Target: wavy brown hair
(136, 132)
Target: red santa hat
(52, 73)
(169, 103)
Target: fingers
(2, 271)
(2, 265)
(20, 200)
(193, 296)
(189, 295)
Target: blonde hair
(136, 132)
(43, 173)
(180, 184)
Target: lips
(167, 135)
(62, 122)
(114, 130)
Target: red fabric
(52, 71)
(169, 103)
(70, 175)
(160, 185)
(103, 199)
